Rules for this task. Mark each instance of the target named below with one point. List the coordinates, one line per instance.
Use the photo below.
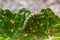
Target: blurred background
(32, 5)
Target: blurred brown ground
(33, 5)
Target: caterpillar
(34, 23)
(37, 23)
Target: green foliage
(54, 21)
(56, 38)
(14, 25)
